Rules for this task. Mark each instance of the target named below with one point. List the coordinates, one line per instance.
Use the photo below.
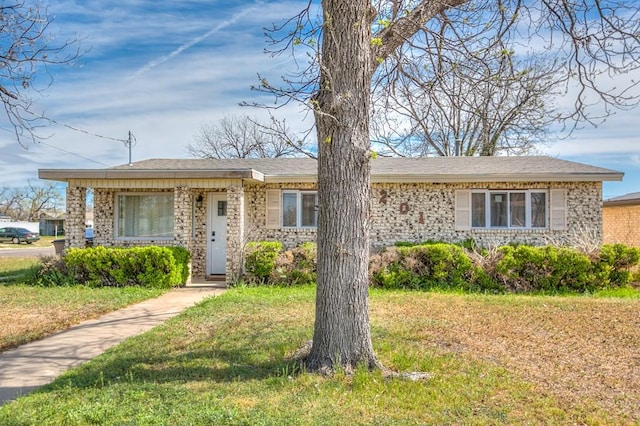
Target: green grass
(227, 361)
(29, 313)
(16, 270)
(44, 241)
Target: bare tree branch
(246, 137)
(27, 49)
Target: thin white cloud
(235, 18)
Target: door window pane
(222, 208)
(517, 209)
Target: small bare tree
(245, 137)
(27, 49)
(451, 104)
(27, 204)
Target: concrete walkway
(34, 364)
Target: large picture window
(508, 209)
(145, 216)
(299, 209)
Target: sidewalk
(34, 364)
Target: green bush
(52, 272)
(183, 258)
(547, 268)
(427, 266)
(618, 260)
(513, 268)
(260, 259)
(151, 267)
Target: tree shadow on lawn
(214, 365)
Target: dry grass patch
(583, 351)
(30, 313)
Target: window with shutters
(509, 209)
(144, 216)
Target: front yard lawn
(494, 360)
(29, 313)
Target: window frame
(116, 220)
(299, 208)
(488, 217)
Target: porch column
(74, 223)
(183, 216)
(235, 232)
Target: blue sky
(161, 69)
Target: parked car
(88, 236)
(18, 235)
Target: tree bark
(342, 334)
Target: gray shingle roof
(632, 198)
(429, 169)
(434, 168)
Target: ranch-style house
(214, 207)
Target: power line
(130, 142)
(86, 132)
(73, 153)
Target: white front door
(217, 234)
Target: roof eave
(633, 202)
(462, 178)
(111, 174)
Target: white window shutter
(463, 210)
(558, 209)
(274, 201)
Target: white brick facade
(412, 212)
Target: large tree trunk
(342, 334)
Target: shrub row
(151, 267)
(435, 265)
(507, 269)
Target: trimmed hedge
(428, 266)
(151, 267)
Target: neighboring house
(52, 224)
(621, 219)
(213, 207)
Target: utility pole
(130, 142)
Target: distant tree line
(30, 202)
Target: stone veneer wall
(235, 233)
(418, 212)
(75, 216)
(256, 216)
(621, 224)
